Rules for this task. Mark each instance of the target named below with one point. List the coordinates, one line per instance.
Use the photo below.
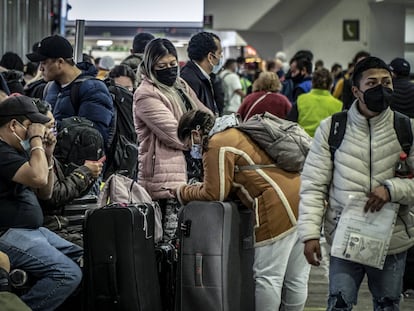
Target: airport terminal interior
(258, 31)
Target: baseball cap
(22, 106)
(400, 66)
(51, 47)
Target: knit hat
(106, 62)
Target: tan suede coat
(272, 192)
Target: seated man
(8, 301)
(26, 164)
(66, 188)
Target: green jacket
(315, 106)
(10, 302)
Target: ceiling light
(104, 42)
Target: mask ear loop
(192, 138)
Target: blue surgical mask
(216, 68)
(25, 143)
(196, 151)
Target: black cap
(400, 67)
(140, 41)
(51, 47)
(14, 106)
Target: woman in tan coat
(272, 192)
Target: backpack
(402, 127)
(124, 190)
(122, 149)
(284, 141)
(78, 140)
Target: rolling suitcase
(75, 211)
(120, 267)
(166, 256)
(215, 267)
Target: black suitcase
(120, 267)
(166, 256)
(75, 211)
(215, 267)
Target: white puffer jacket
(364, 161)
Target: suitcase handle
(198, 270)
(113, 284)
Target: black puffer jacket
(403, 96)
(67, 188)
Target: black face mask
(378, 98)
(298, 78)
(167, 76)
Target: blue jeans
(385, 285)
(49, 259)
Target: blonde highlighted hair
(267, 81)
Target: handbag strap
(254, 105)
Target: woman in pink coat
(159, 102)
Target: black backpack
(78, 139)
(122, 149)
(402, 126)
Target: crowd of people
(180, 159)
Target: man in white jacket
(362, 167)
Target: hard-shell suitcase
(166, 256)
(215, 267)
(75, 211)
(120, 265)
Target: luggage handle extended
(198, 270)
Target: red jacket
(275, 103)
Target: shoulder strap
(337, 131)
(402, 126)
(185, 99)
(254, 105)
(253, 167)
(46, 88)
(74, 92)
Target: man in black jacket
(403, 96)
(206, 59)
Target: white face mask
(216, 68)
(25, 143)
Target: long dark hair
(154, 51)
